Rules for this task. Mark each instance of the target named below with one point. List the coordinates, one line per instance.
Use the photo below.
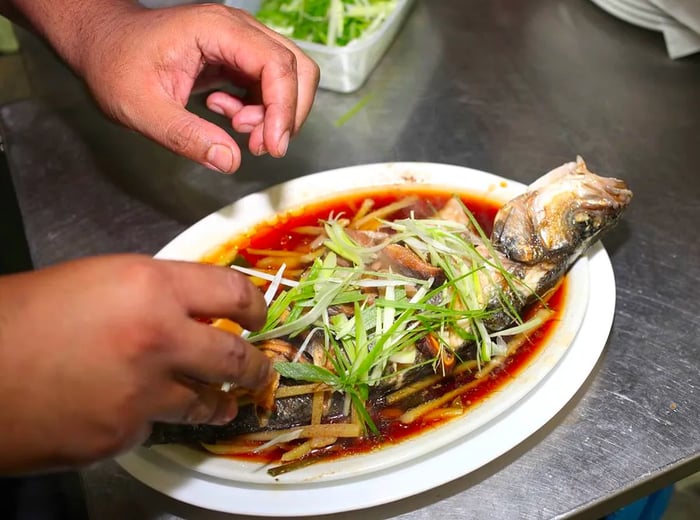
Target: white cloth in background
(682, 38)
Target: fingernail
(245, 129)
(261, 150)
(231, 412)
(283, 144)
(216, 109)
(198, 414)
(220, 157)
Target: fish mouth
(600, 193)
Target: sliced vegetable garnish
(328, 22)
(369, 319)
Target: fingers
(287, 77)
(244, 118)
(279, 93)
(192, 402)
(308, 74)
(224, 104)
(215, 291)
(258, 56)
(248, 118)
(205, 353)
(189, 135)
(256, 141)
(212, 407)
(202, 353)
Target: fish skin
(537, 236)
(289, 412)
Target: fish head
(560, 215)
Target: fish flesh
(536, 237)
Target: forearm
(71, 26)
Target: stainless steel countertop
(509, 87)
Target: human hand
(141, 66)
(93, 351)
(142, 75)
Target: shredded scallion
(328, 22)
(369, 322)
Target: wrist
(74, 28)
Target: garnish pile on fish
(382, 315)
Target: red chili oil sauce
(278, 234)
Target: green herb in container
(347, 38)
(328, 22)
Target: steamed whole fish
(443, 263)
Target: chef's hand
(142, 65)
(93, 351)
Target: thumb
(189, 135)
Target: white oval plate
(191, 469)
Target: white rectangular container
(345, 69)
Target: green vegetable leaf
(327, 22)
(307, 372)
